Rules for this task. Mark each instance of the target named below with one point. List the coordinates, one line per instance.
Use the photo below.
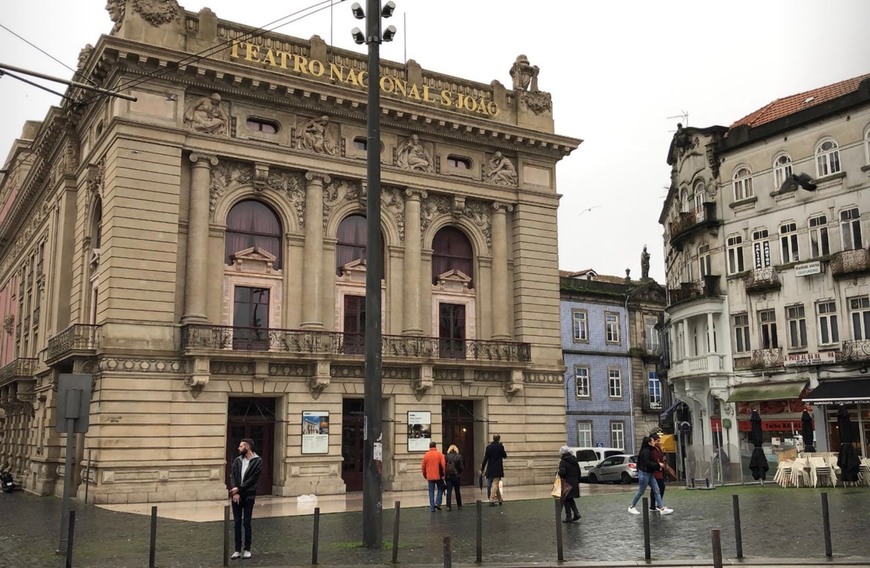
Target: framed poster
(419, 431)
(315, 432)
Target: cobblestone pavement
(777, 525)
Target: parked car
(588, 457)
(618, 469)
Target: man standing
(659, 456)
(244, 476)
(433, 467)
(493, 464)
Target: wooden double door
(458, 422)
(252, 418)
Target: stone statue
(524, 75)
(500, 170)
(206, 115)
(315, 136)
(84, 55)
(413, 156)
(644, 264)
(116, 12)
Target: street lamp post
(372, 446)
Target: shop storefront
(853, 394)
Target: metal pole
(826, 525)
(87, 476)
(67, 477)
(372, 488)
(479, 549)
(647, 553)
(738, 533)
(153, 550)
(396, 533)
(69, 541)
(448, 559)
(316, 537)
(560, 551)
(66, 82)
(717, 548)
(226, 535)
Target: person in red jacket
(433, 467)
(659, 456)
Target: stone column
(500, 301)
(711, 334)
(196, 277)
(413, 262)
(312, 261)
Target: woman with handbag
(569, 473)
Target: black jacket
(456, 461)
(569, 471)
(493, 458)
(248, 485)
(646, 462)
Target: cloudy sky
(620, 74)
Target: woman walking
(569, 471)
(646, 468)
(454, 467)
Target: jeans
(645, 479)
(433, 486)
(242, 512)
(661, 484)
(453, 484)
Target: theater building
(201, 253)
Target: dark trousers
(453, 484)
(570, 506)
(652, 501)
(242, 512)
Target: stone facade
(116, 263)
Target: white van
(589, 457)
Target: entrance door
(252, 418)
(352, 432)
(458, 421)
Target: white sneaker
(236, 555)
(633, 511)
(246, 554)
(666, 511)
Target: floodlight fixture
(388, 9)
(358, 12)
(389, 33)
(358, 36)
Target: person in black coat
(493, 464)
(569, 471)
(244, 476)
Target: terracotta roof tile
(789, 105)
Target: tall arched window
(451, 249)
(742, 184)
(781, 170)
(253, 224)
(351, 243)
(827, 158)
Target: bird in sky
(588, 209)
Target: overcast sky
(619, 73)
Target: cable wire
(39, 49)
(4, 73)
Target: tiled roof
(781, 108)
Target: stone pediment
(454, 281)
(253, 259)
(354, 271)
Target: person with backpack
(453, 468)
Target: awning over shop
(846, 391)
(670, 410)
(767, 391)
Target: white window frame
(781, 170)
(704, 261)
(614, 382)
(796, 319)
(582, 386)
(827, 158)
(735, 256)
(654, 388)
(699, 191)
(580, 325)
(867, 145)
(768, 336)
(742, 342)
(826, 316)
(850, 228)
(611, 327)
(859, 317)
(652, 335)
(761, 249)
(584, 434)
(788, 243)
(617, 435)
(820, 244)
(742, 183)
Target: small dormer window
(458, 162)
(262, 125)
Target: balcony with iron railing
(762, 280)
(17, 369)
(850, 263)
(765, 358)
(856, 350)
(76, 340)
(217, 339)
(688, 222)
(708, 287)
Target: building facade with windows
(767, 265)
(201, 253)
(610, 346)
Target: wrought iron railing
(708, 287)
(304, 342)
(688, 220)
(850, 262)
(77, 337)
(22, 367)
(856, 350)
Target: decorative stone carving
(289, 183)
(436, 205)
(156, 12)
(227, 175)
(84, 55)
(337, 192)
(9, 323)
(411, 155)
(538, 102)
(500, 171)
(205, 114)
(392, 203)
(116, 9)
(423, 383)
(524, 75)
(478, 212)
(514, 386)
(118, 365)
(314, 135)
(481, 215)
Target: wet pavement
(781, 527)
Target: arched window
(827, 158)
(451, 250)
(742, 184)
(699, 195)
(351, 243)
(781, 170)
(253, 224)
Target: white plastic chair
(821, 472)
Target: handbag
(557, 488)
(566, 490)
(669, 471)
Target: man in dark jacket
(569, 471)
(244, 476)
(659, 474)
(493, 464)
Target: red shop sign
(771, 425)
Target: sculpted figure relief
(116, 12)
(206, 115)
(314, 136)
(500, 170)
(644, 264)
(524, 75)
(84, 55)
(413, 156)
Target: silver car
(618, 469)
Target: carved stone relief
(537, 102)
(225, 176)
(156, 12)
(206, 114)
(314, 134)
(337, 192)
(393, 204)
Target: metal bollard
(396, 533)
(479, 550)
(153, 550)
(647, 553)
(226, 535)
(560, 551)
(69, 538)
(316, 537)
(738, 533)
(717, 548)
(826, 524)
(448, 561)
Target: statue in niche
(413, 156)
(500, 170)
(644, 264)
(116, 10)
(524, 75)
(314, 136)
(206, 115)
